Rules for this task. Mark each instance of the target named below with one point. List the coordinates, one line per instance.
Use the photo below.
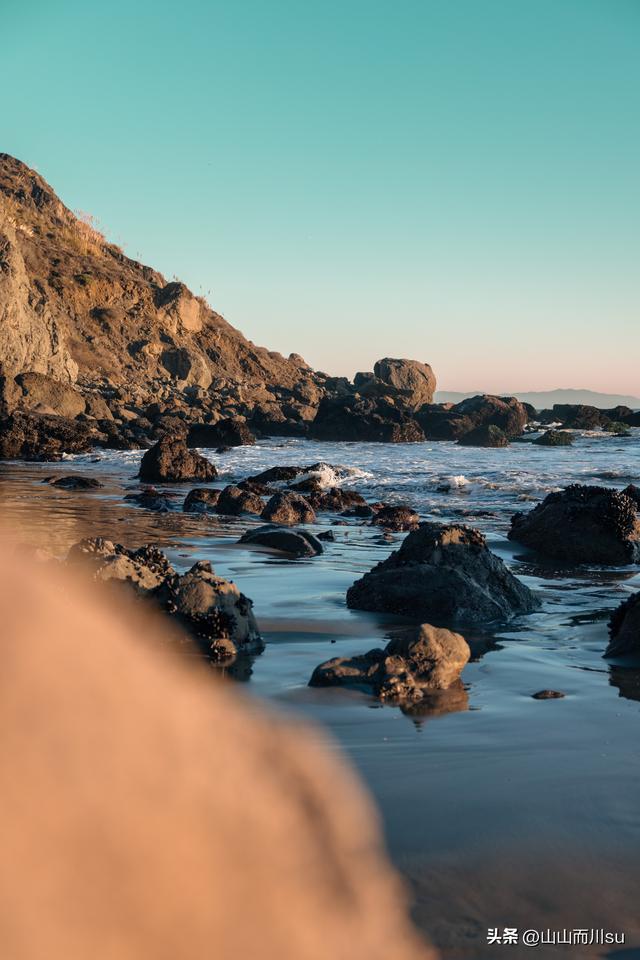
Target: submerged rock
(582, 524)
(295, 543)
(171, 461)
(415, 661)
(75, 481)
(548, 695)
(152, 499)
(444, 575)
(624, 629)
(288, 508)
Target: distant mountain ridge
(544, 399)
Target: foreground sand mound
(147, 814)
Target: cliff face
(74, 307)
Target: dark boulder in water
(487, 435)
(452, 422)
(415, 661)
(444, 575)
(295, 543)
(365, 419)
(201, 500)
(231, 432)
(633, 492)
(582, 524)
(554, 438)
(171, 461)
(624, 629)
(234, 500)
(396, 518)
(287, 507)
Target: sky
(453, 181)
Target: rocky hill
(75, 308)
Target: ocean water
(498, 809)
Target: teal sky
(456, 181)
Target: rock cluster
(211, 609)
(171, 461)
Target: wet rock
(145, 569)
(445, 575)
(487, 435)
(582, 524)
(577, 416)
(277, 475)
(633, 492)
(171, 461)
(414, 380)
(231, 432)
(452, 422)
(234, 500)
(365, 419)
(554, 438)
(396, 518)
(201, 500)
(213, 611)
(624, 629)
(75, 481)
(295, 543)
(327, 535)
(363, 511)
(30, 436)
(335, 499)
(286, 507)
(548, 695)
(415, 661)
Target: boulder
(415, 380)
(487, 435)
(445, 575)
(171, 461)
(554, 438)
(231, 432)
(144, 569)
(40, 391)
(396, 518)
(624, 629)
(234, 500)
(30, 436)
(577, 416)
(286, 507)
(201, 500)
(364, 419)
(415, 661)
(213, 611)
(335, 499)
(295, 543)
(582, 524)
(444, 422)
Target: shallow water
(505, 811)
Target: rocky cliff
(75, 308)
